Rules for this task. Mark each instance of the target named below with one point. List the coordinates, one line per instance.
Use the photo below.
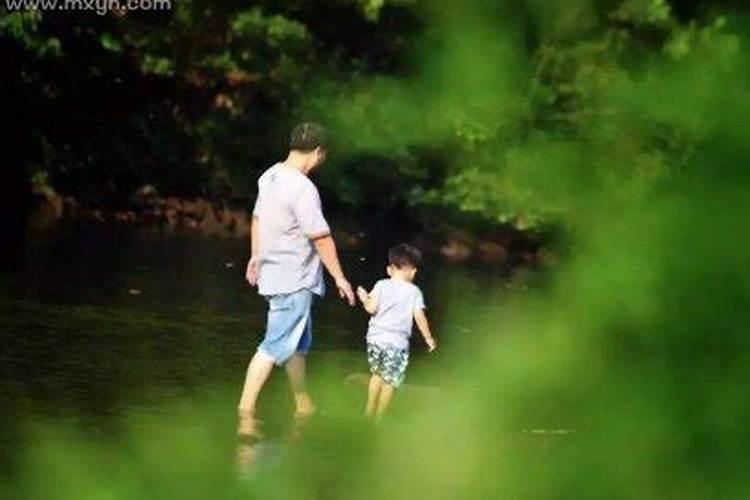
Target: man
(289, 240)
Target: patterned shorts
(388, 362)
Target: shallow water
(100, 321)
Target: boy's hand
(362, 294)
(431, 344)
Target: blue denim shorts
(388, 362)
(289, 326)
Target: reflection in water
(249, 442)
(248, 426)
(253, 448)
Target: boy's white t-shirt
(392, 322)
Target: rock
(170, 216)
(456, 250)
(201, 208)
(209, 222)
(490, 251)
(227, 220)
(127, 217)
(172, 204)
(242, 225)
(145, 197)
(187, 207)
(152, 216)
(71, 207)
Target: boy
(394, 304)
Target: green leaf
(110, 43)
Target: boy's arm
(326, 248)
(369, 302)
(424, 328)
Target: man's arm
(326, 248)
(254, 243)
(251, 273)
(424, 328)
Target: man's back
(289, 215)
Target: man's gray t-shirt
(392, 322)
(289, 215)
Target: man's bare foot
(305, 406)
(248, 426)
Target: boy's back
(392, 322)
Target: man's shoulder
(293, 179)
(268, 173)
(306, 184)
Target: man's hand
(251, 273)
(345, 291)
(431, 344)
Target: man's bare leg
(386, 393)
(295, 370)
(373, 393)
(258, 371)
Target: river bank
(203, 216)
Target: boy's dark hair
(307, 136)
(403, 255)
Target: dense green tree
(192, 99)
(470, 107)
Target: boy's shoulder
(397, 285)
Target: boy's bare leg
(373, 392)
(295, 370)
(258, 371)
(386, 393)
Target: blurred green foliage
(508, 95)
(628, 122)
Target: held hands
(345, 291)
(362, 294)
(251, 273)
